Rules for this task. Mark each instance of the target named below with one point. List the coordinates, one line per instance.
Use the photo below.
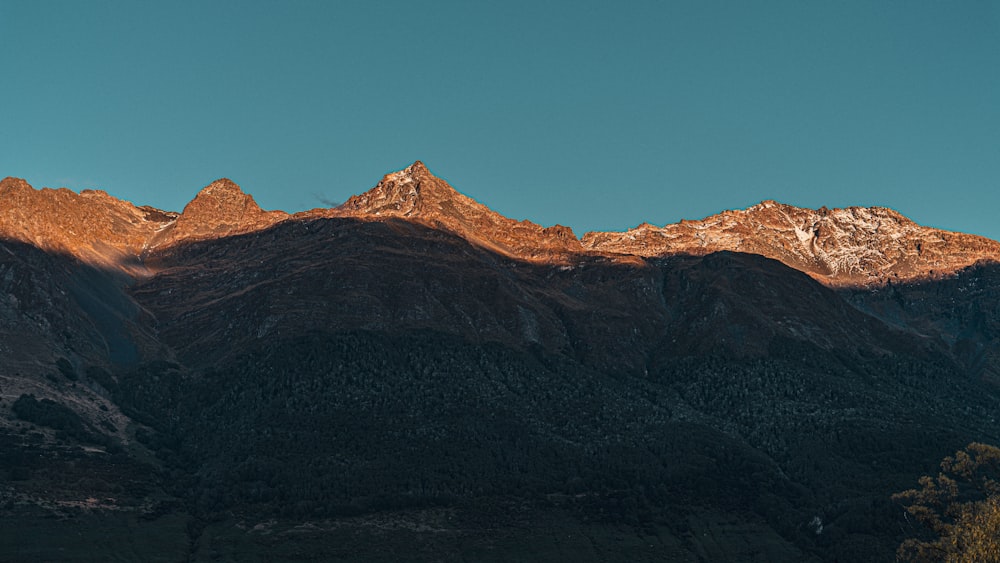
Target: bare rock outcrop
(839, 247)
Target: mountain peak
(417, 169)
(222, 186)
(847, 246)
(415, 194)
(840, 247)
(409, 192)
(414, 172)
(221, 208)
(222, 200)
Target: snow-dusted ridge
(837, 246)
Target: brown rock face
(414, 353)
(839, 247)
(220, 209)
(417, 195)
(105, 231)
(91, 225)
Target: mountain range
(411, 368)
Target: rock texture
(92, 225)
(852, 247)
(104, 231)
(220, 209)
(494, 279)
(414, 350)
(839, 247)
(417, 195)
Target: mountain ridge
(839, 247)
(220, 209)
(415, 194)
(853, 246)
(414, 349)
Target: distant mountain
(413, 369)
(839, 247)
(418, 196)
(220, 209)
(92, 226)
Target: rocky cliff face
(417, 195)
(92, 225)
(220, 209)
(104, 231)
(839, 247)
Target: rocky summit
(418, 196)
(840, 247)
(413, 376)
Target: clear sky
(596, 115)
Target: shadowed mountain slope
(413, 369)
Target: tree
(960, 509)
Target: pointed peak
(222, 198)
(223, 192)
(417, 195)
(414, 172)
(417, 168)
(412, 190)
(222, 185)
(220, 209)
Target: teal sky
(596, 115)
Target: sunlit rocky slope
(413, 369)
(839, 247)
